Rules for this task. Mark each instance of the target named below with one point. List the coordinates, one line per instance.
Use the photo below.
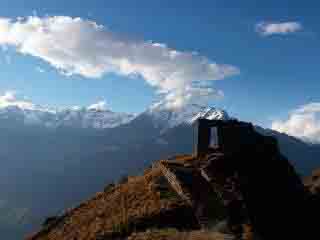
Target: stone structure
(217, 135)
(233, 168)
(255, 182)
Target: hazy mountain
(67, 117)
(63, 157)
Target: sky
(259, 62)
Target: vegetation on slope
(133, 206)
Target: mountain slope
(61, 166)
(121, 209)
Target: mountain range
(53, 159)
(68, 117)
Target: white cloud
(9, 98)
(78, 46)
(282, 28)
(303, 123)
(188, 95)
(100, 106)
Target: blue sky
(278, 72)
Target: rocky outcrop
(259, 185)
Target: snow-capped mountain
(68, 117)
(98, 118)
(168, 118)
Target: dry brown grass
(111, 210)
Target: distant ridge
(66, 117)
(76, 117)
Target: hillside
(137, 205)
(187, 193)
(59, 167)
(140, 208)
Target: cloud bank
(82, 47)
(278, 28)
(303, 123)
(195, 95)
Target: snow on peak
(98, 116)
(211, 114)
(163, 116)
(77, 117)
